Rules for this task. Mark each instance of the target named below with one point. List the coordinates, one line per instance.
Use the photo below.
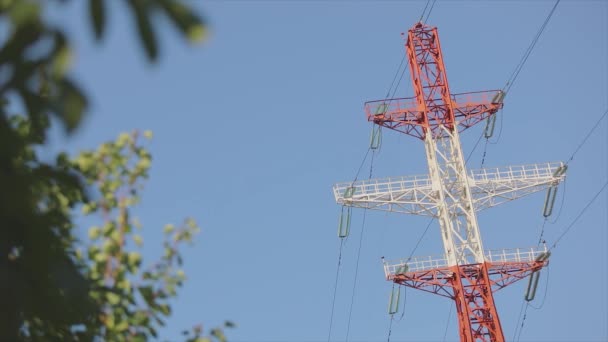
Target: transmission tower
(466, 272)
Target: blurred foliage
(48, 289)
(134, 301)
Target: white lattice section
(418, 264)
(494, 186)
(408, 194)
(414, 194)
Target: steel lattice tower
(466, 272)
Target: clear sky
(252, 128)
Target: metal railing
(542, 171)
(343, 191)
(410, 105)
(518, 172)
(418, 264)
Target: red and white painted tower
(465, 272)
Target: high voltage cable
(333, 303)
(583, 142)
(597, 123)
(517, 335)
(521, 309)
(520, 65)
(579, 216)
(430, 10)
(424, 10)
(523, 321)
(395, 77)
(363, 225)
(447, 324)
(523, 60)
(352, 299)
(361, 165)
(420, 239)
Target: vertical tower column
(477, 317)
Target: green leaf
(110, 321)
(62, 61)
(197, 33)
(146, 33)
(69, 105)
(186, 20)
(165, 309)
(98, 17)
(94, 233)
(23, 12)
(138, 240)
(112, 298)
(168, 228)
(123, 140)
(122, 325)
(134, 259)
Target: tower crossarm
(426, 263)
(414, 194)
(494, 186)
(406, 194)
(405, 115)
(433, 274)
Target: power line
(424, 11)
(430, 10)
(587, 136)
(523, 60)
(361, 165)
(352, 299)
(521, 328)
(520, 65)
(395, 77)
(447, 324)
(420, 239)
(333, 302)
(521, 309)
(579, 215)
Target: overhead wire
(519, 328)
(352, 299)
(597, 123)
(333, 302)
(567, 229)
(523, 321)
(447, 324)
(424, 12)
(392, 88)
(430, 10)
(515, 73)
(521, 310)
(420, 239)
(526, 55)
(580, 214)
(390, 329)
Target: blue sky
(252, 128)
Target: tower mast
(465, 272)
